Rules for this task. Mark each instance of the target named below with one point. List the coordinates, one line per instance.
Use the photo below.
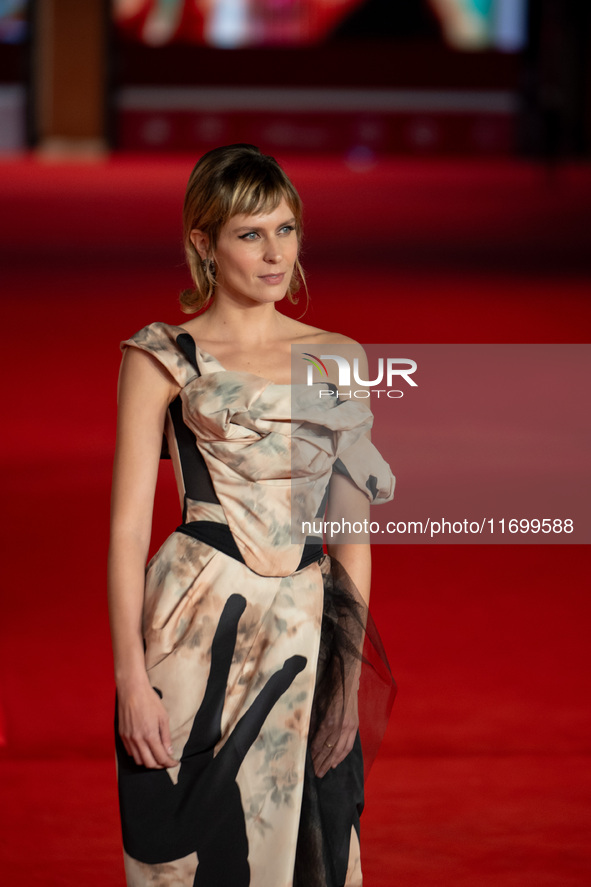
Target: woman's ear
(200, 241)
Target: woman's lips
(272, 279)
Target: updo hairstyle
(224, 183)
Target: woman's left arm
(346, 502)
(336, 735)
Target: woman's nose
(273, 252)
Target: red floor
(484, 774)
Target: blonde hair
(224, 183)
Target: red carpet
(484, 775)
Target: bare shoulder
(303, 332)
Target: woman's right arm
(144, 392)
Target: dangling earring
(210, 266)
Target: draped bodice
(270, 449)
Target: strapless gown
(251, 636)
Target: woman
(239, 761)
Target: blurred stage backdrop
(368, 77)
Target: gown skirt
(252, 640)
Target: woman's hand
(335, 736)
(144, 727)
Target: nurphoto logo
(396, 369)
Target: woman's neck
(243, 325)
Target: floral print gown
(249, 636)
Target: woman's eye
(254, 235)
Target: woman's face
(255, 254)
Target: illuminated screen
(231, 23)
(483, 24)
(465, 24)
(13, 21)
